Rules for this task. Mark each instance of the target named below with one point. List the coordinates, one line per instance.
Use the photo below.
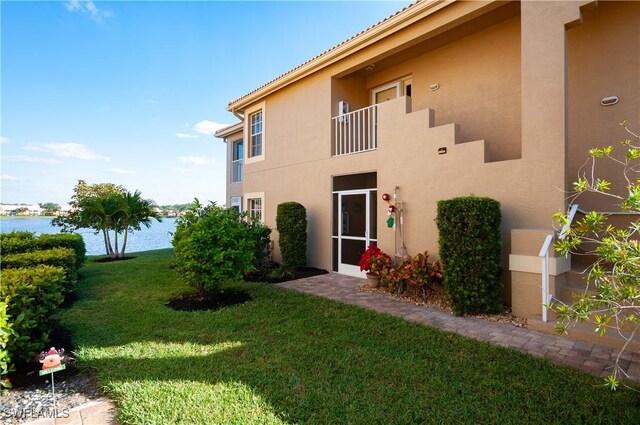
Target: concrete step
(574, 284)
(585, 332)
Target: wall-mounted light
(434, 87)
(609, 100)
(442, 151)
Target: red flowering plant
(374, 260)
(416, 272)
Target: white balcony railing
(236, 171)
(356, 131)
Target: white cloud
(208, 127)
(68, 150)
(196, 160)
(7, 177)
(3, 140)
(31, 159)
(186, 136)
(88, 8)
(181, 170)
(121, 171)
(203, 127)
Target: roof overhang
(229, 130)
(390, 25)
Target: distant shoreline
(10, 217)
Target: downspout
(238, 115)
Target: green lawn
(286, 357)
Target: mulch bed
(298, 274)
(213, 301)
(435, 298)
(110, 260)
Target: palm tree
(103, 213)
(136, 212)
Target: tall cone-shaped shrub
(291, 223)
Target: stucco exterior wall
(479, 86)
(603, 60)
(510, 122)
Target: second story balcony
(355, 132)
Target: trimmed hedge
(470, 247)
(17, 242)
(33, 296)
(64, 240)
(21, 242)
(57, 257)
(291, 222)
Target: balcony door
(386, 92)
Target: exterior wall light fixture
(609, 100)
(434, 87)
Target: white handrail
(544, 254)
(546, 296)
(355, 131)
(570, 216)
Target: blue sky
(130, 92)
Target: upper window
(236, 161)
(255, 134)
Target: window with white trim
(255, 134)
(254, 208)
(236, 202)
(236, 161)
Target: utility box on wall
(343, 110)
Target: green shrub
(57, 257)
(6, 332)
(64, 240)
(213, 245)
(261, 235)
(291, 222)
(470, 248)
(16, 242)
(33, 296)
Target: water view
(158, 236)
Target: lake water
(158, 236)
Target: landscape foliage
(37, 275)
(108, 209)
(611, 299)
(291, 223)
(470, 247)
(213, 245)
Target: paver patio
(594, 358)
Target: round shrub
(470, 246)
(291, 222)
(213, 245)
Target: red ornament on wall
(392, 208)
(386, 197)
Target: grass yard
(287, 357)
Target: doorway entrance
(354, 221)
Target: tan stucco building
(442, 99)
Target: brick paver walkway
(594, 358)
